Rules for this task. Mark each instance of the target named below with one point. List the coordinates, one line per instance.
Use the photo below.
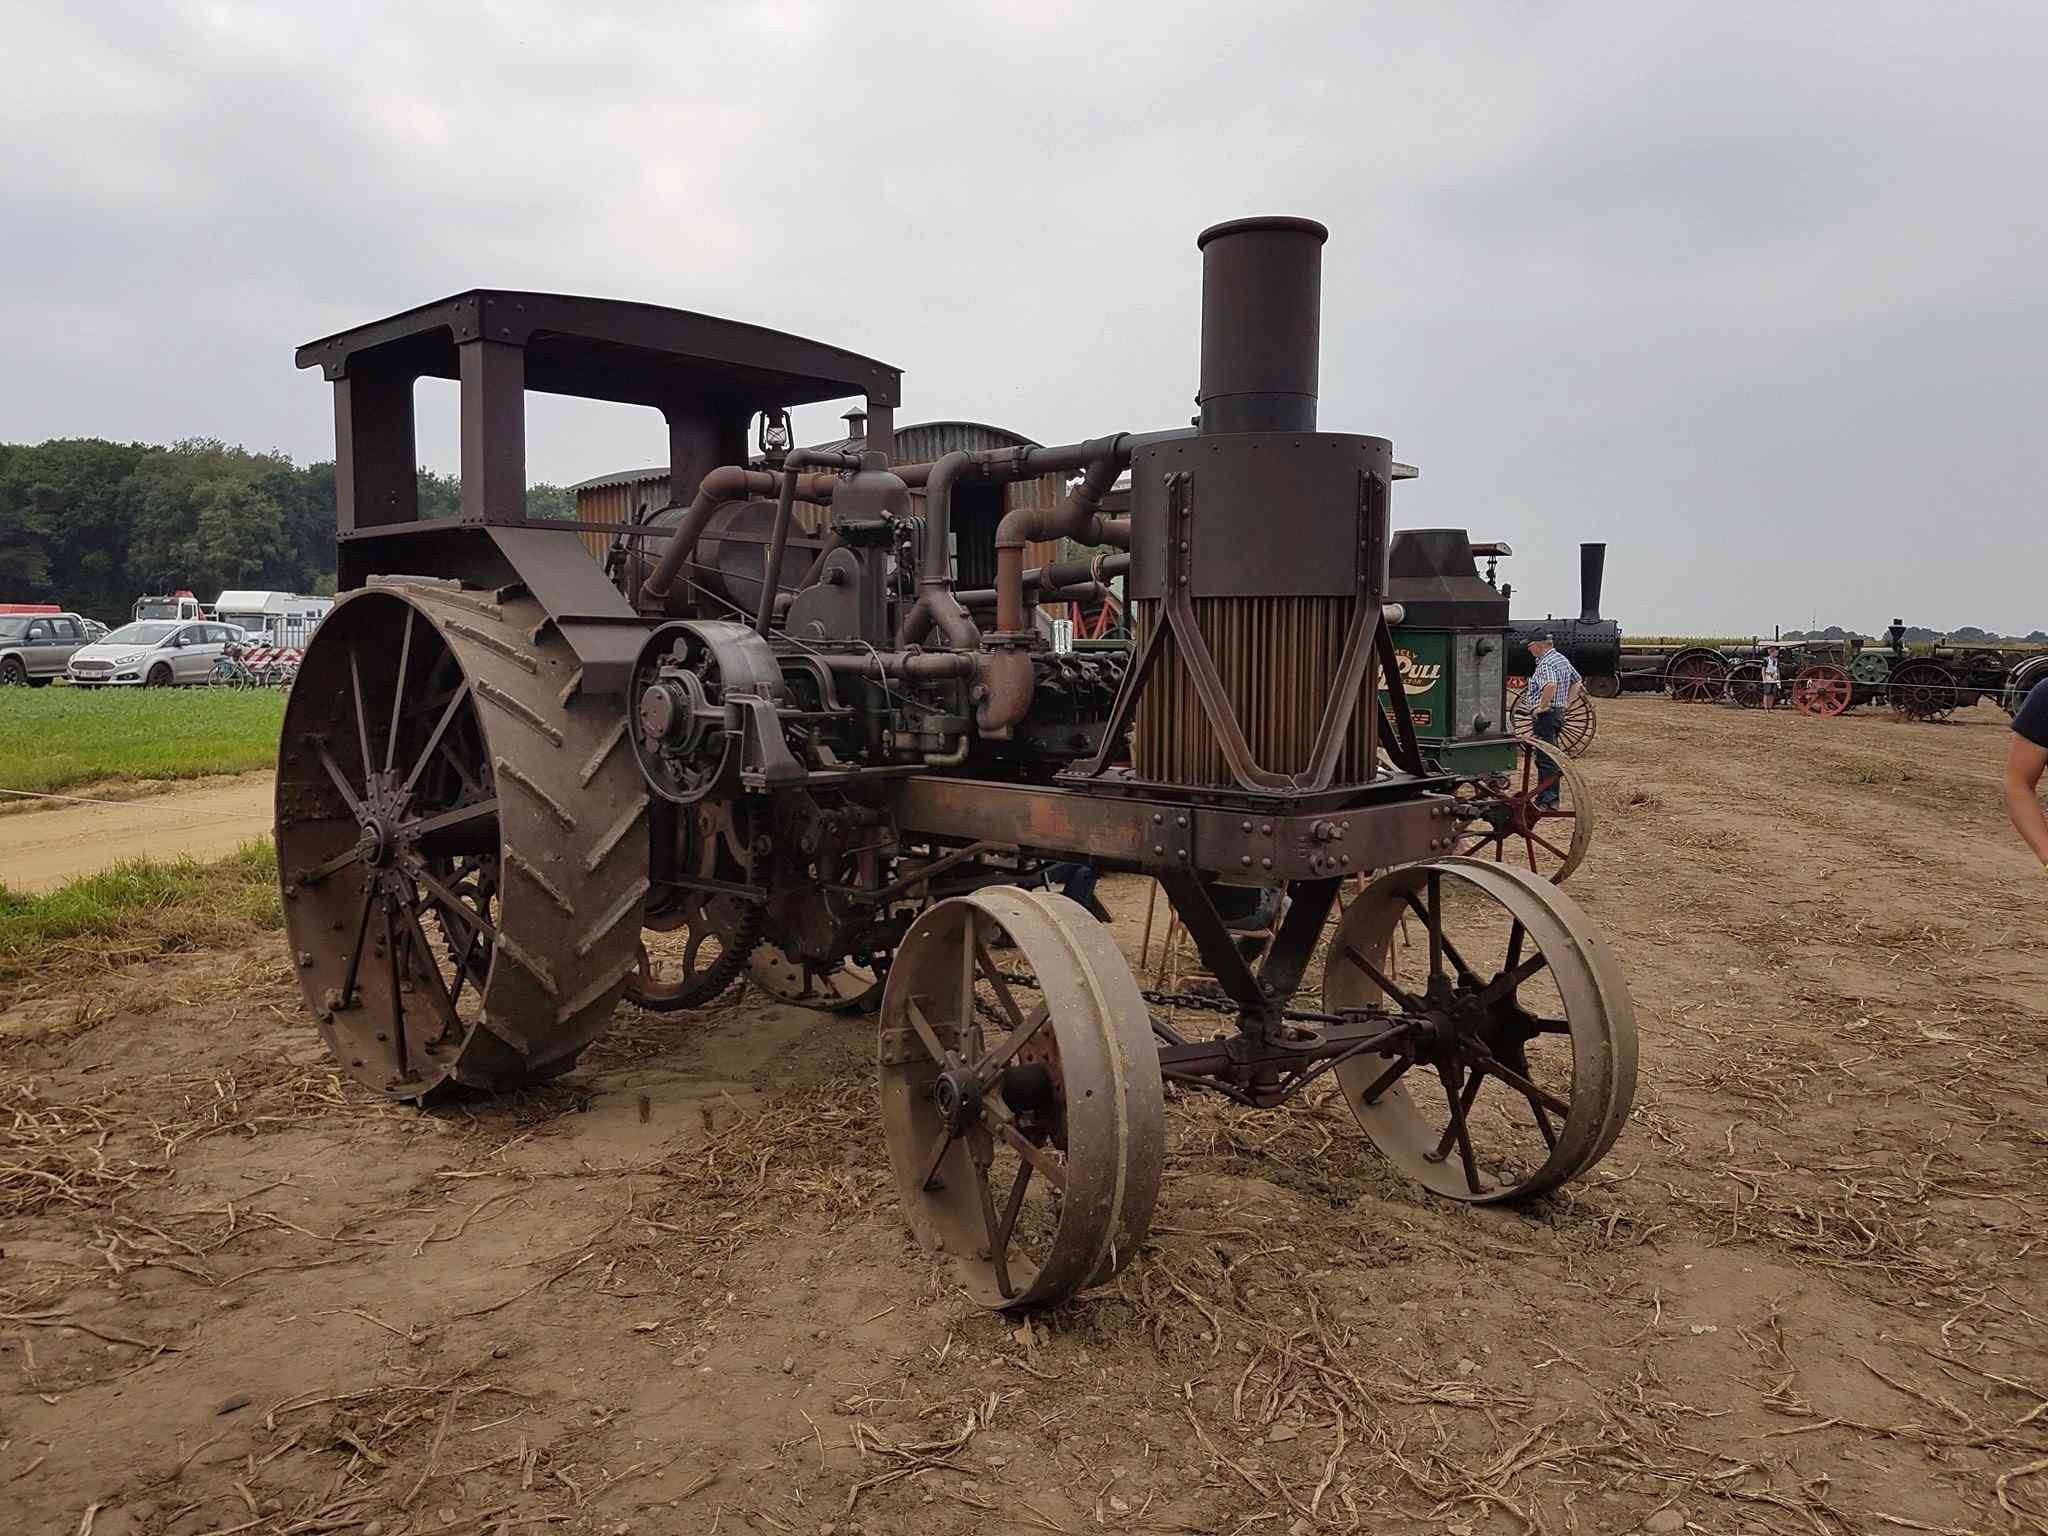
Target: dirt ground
(45, 842)
(1805, 1293)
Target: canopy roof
(607, 349)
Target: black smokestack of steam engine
(1591, 643)
(1262, 315)
(1592, 569)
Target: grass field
(59, 738)
(157, 905)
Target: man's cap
(1545, 636)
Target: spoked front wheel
(1024, 1108)
(1520, 1069)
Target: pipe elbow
(1006, 675)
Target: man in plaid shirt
(1551, 682)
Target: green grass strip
(167, 904)
(60, 738)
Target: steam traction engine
(513, 792)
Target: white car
(151, 653)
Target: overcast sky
(1757, 293)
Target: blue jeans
(1546, 728)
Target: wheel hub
(956, 1095)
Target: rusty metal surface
(1145, 834)
(1270, 514)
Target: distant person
(1552, 682)
(2024, 764)
(1770, 679)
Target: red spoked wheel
(1539, 814)
(1823, 690)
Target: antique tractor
(1519, 799)
(514, 792)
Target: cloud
(1753, 292)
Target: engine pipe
(1008, 678)
(785, 513)
(721, 485)
(936, 606)
(1062, 581)
(917, 666)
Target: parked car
(153, 653)
(35, 647)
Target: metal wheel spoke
(1520, 1082)
(1410, 1003)
(969, 1029)
(999, 1056)
(453, 902)
(1386, 1080)
(438, 996)
(1509, 981)
(398, 693)
(453, 820)
(1538, 1026)
(397, 994)
(994, 977)
(455, 702)
(923, 1026)
(1544, 842)
(462, 969)
(335, 865)
(942, 1144)
(355, 679)
(1005, 1127)
(1433, 921)
(1516, 935)
(998, 1251)
(1463, 1132)
(1008, 1226)
(1460, 1098)
(348, 794)
(355, 954)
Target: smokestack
(1592, 568)
(856, 423)
(1262, 303)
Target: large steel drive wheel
(1523, 1068)
(461, 840)
(1025, 1118)
(1922, 690)
(1696, 677)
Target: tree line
(1917, 634)
(91, 525)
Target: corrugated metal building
(617, 498)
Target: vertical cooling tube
(1277, 655)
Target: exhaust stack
(1262, 312)
(1592, 571)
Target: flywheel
(461, 839)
